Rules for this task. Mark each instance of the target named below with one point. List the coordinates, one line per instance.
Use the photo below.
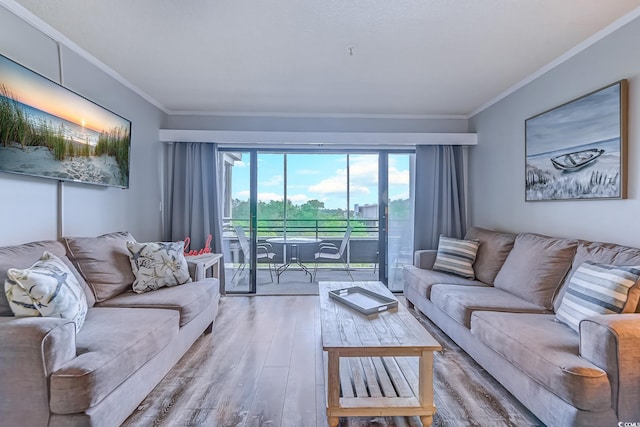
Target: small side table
(207, 265)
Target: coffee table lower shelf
(379, 386)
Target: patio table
(290, 246)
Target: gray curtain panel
(192, 205)
(439, 199)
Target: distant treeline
(16, 127)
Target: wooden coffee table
(370, 371)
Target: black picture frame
(49, 131)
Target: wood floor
(262, 366)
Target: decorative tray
(363, 300)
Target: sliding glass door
(282, 206)
(238, 220)
(399, 231)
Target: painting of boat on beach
(49, 131)
(577, 150)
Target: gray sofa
(505, 320)
(49, 376)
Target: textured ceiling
(334, 57)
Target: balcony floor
(294, 281)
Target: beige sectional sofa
(505, 319)
(49, 376)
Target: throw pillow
(536, 267)
(47, 289)
(156, 265)
(596, 289)
(492, 252)
(456, 256)
(103, 261)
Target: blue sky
(322, 177)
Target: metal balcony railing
(317, 228)
(363, 244)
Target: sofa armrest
(425, 258)
(32, 348)
(611, 343)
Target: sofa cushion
(103, 261)
(24, 256)
(422, 280)
(604, 253)
(459, 302)
(546, 351)
(188, 299)
(596, 289)
(535, 267)
(157, 264)
(456, 257)
(492, 252)
(113, 344)
(51, 288)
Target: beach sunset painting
(49, 131)
(577, 150)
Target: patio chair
(330, 251)
(263, 251)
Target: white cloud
(359, 189)
(363, 173)
(268, 197)
(244, 194)
(335, 184)
(239, 164)
(298, 198)
(401, 196)
(272, 181)
(398, 177)
(363, 170)
(327, 181)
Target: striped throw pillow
(456, 256)
(596, 289)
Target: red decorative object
(193, 252)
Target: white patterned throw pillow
(46, 289)
(157, 264)
(456, 256)
(596, 289)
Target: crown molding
(320, 115)
(60, 38)
(609, 29)
(46, 29)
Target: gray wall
(497, 162)
(29, 205)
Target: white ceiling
(409, 57)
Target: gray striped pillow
(596, 289)
(456, 256)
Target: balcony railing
(363, 243)
(317, 228)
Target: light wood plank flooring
(262, 366)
